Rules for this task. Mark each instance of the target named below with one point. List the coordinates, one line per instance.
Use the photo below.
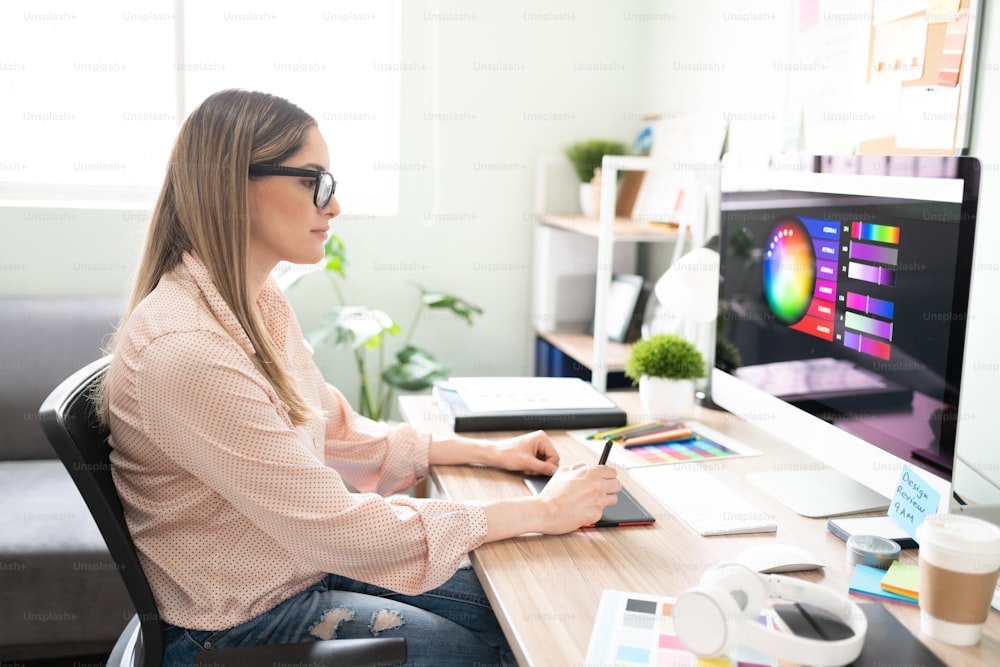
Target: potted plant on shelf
(665, 367)
(586, 157)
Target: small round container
(872, 550)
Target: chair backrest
(68, 418)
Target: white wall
(57, 251)
(520, 81)
(514, 80)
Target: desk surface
(546, 589)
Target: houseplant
(586, 157)
(665, 367)
(365, 330)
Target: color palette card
(636, 630)
(703, 444)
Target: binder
(464, 419)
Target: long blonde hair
(203, 208)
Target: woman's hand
(532, 453)
(577, 495)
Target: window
(94, 92)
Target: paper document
(527, 394)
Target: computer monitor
(843, 303)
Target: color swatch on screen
(800, 274)
(637, 629)
(867, 231)
(874, 254)
(789, 271)
(867, 345)
(868, 304)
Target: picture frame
(623, 306)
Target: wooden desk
(546, 589)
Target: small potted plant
(665, 367)
(586, 157)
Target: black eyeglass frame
(281, 170)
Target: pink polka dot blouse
(231, 507)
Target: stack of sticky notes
(902, 579)
(898, 584)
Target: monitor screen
(843, 304)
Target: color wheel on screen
(789, 271)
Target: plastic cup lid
(959, 533)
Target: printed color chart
(699, 444)
(698, 448)
(635, 630)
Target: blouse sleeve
(205, 406)
(372, 456)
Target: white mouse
(773, 558)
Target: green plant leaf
(587, 155)
(665, 356)
(321, 336)
(359, 326)
(416, 369)
(457, 305)
(334, 255)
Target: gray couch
(60, 593)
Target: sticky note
(913, 501)
(902, 579)
(867, 581)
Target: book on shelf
(525, 403)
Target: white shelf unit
(607, 229)
(611, 165)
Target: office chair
(69, 421)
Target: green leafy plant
(665, 356)
(587, 155)
(364, 331)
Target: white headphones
(721, 612)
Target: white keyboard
(703, 501)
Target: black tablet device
(627, 512)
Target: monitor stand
(819, 493)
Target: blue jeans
(449, 625)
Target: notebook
(525, 403)
(627, 512)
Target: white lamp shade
(689, 290)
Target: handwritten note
(914, 499)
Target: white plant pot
(587, 200)
(663, 398)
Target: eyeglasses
(325, 185)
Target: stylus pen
(604, 454)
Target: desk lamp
(687, 303)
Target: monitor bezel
(832, 447)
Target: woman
(231, 454)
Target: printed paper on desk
(913, 501)
(720, 446)
(637, 629)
